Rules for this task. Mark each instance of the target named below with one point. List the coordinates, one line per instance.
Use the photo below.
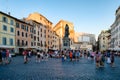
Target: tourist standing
(25, 56)
(38, 57)
(3, 56)
(7, 56)
(62, 56)
(0, 56)
(70, 55)
(78, 55)
(102, 59)
(97, 59)
(108, 57)
(112, 59)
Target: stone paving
(54, 69)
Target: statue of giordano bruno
(66, 31)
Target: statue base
(66, 43)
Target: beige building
(45, 29)
(60, 30)
(85, 41)
(55, 41)
(104, 40)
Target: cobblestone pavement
(54, 69)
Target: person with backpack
(25, 56)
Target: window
(38, 44)
(22, 26)
(34, 43)
(38, 38)
(26, 34)
(31, 43)
(48, 42)
(41, 44)
(41, 30)
(44, 31)
(35, 38)
(103, 38)
(4, 41)
(41, 35)
(18, 33)
(34, 31)
(44, 44)
(22, 42)
(11, 29)
(11, 41)
(4, 19)
(31, 35)
(18, 42)
(17, 25)
(22, 34)
(11, 22)
(26, 43)
(38, 32)
(27, 28)
(4, 27)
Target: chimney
(8, 13)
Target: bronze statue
(66, 31)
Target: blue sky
(90, 16)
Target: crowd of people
(40, 55)
(100, 58)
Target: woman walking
(112, 59)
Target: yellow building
(60, 30)
(7, 31)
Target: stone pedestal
(66, 43)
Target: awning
(6, 46)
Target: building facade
(45, 29)
(60, 31)
(55, 41)
(24, 32)
(115, 31)
(7, 31)
(86, 41)
(104, 40)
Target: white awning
(6, 46)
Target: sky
(89, 16)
